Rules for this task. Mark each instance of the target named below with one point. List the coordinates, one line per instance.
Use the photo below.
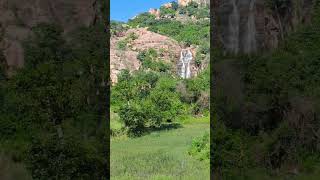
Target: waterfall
(250, 41)
(185, 60)
(234, 24)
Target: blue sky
(122, 10)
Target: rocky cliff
(169, 51)
(247, 26)
(18, 17)
(120, 59)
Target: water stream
(234, 25)
(250, 41)
(185, 60)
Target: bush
(65, 159)
(167, 12)
(142, 20)
(146, 101)
(8, 126)
(134, 118)
(228, 150)
(150, 60)
(200, 147)
(46, 45)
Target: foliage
(142, 20)
(275, 118)
(64, 160)
(47, 46)
(162, 154)
(164, 12)
(122, 44)
(193, 32)
(200, 147)
(150, 60)
(145, 100)
(62, 85)
(117, 27)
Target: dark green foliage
(117, 28)
(175, 5)
(70, 159)
(192, 8)
(191, 33)
(142, 20)
(279, 5)
(47, 46)
(7, 127)
(276, 117)
(200, 147)
(150, 60)
(60, 92)
(167, 12)
(227, 149)
(122, 45)
(146, 100)
(134, 118)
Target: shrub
(200, 147)
(150, 60)
(134, 118)
(142, 20)
(64, 159)
(46, 45)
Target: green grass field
(160, 155)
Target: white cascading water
(250, 41)
(185, 60)
(234, 25)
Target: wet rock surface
(248, 26)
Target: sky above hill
(123, 10)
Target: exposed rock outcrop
(18, 17)
(168, 49)
(155, 12)
(247, 26)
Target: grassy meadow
(160, 155)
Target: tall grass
(160, 155)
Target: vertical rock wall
(248, 26)
(17, 17)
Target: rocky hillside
(126, 57)
(177, 31)
(251, 25)
(18, 17)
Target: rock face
(168, 49)
(182, 59)
(155, 12)
(248, 26)
(18, 17)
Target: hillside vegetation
(268, 126)
(52, 111)
(157, 114)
